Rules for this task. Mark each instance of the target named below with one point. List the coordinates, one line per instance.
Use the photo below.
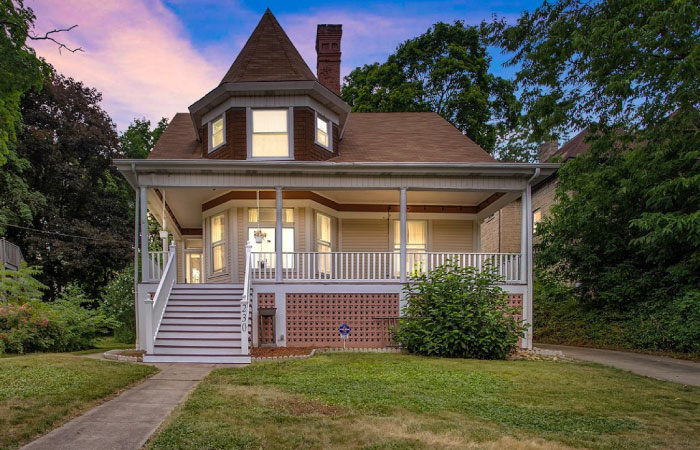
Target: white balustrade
(374, 266)
(156, 265)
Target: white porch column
(403, 232)
(144, 235)
(137, 197)
(526, 273)
(278, 234)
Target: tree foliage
(70, 142)
(20, 71)
(445, 70)
(138, 140)
(626, 227)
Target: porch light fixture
(258, 234)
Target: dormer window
(269, 132)
(323, 132)
(217, 137)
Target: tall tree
(138, 140)
(70, 142)
(20, 71)
(627, 226)
(445, 70)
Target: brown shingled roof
(268, 55)
(574, 147)
(406, 137)
(178, 141)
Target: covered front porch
(310, 246)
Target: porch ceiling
(186, 204)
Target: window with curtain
(270, 215)
(217, 227)
(323, 242)
(323, 132)
(270, 138)
(217, 132)
(416, 245)
(536, 218)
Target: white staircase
(201, 324)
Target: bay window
(269, 133)
(218, 243)
(416, 245)
(323, 242)
(261, 235)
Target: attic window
(269, 133)
(217, 137)
(323, 132)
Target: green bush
(118, 302)
(458, 312)
(562, 317)
(29, 325)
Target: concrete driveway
(659, 367)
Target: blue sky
(152, 58)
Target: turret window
(217, 136)
(270, 133)
(323, 132)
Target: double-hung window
(217, 136)
(269, 133)
(416, 245)
(217, 227)
(323, 242)
(323, 132)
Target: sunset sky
(153, 58)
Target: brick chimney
(547, 150)
(328, 55)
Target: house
(499, 232)
(289, 215)
(10, 256)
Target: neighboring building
(500, 231)
(290, 215)
(10, 256)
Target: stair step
(202, 316)
(183, 333)
(203, 359)
(204, 328)
(192, 350)
(200, 302)
(198, 343)
(204, 309)
(199, 296)
(199, 321)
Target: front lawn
(40, 391)
(387, 401)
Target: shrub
(118, 302)
(29, 325)
(456, 311)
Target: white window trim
(318, 241)
(211, 132)
(329, 147)
(212, 244)
(290, 135)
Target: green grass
(104, 344)
(376, 401)
(40, 391)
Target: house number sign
(244, 317)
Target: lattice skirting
(313, 319)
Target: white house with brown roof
(290, 215)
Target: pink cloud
(136, 53)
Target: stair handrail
(156, 309)
(245, 301)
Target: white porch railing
(246, 301)
(154, 308)
(373, 266)
(156, 265)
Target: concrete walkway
(659, 367)
(127, 421)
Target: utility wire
(55, 233)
